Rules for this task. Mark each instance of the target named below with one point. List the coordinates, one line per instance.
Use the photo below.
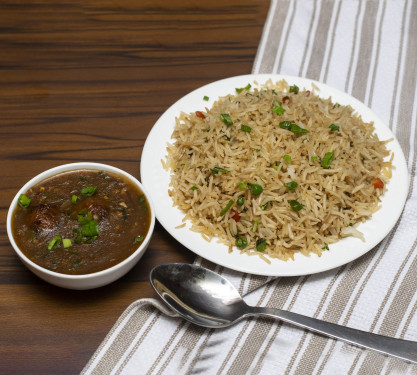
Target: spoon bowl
(198, 295)
(207, 299)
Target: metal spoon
(207, 299)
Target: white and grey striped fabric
(368, 49)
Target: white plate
(156, 181)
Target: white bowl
(91, 280)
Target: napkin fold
(369, 50)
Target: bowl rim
(66, 168)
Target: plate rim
(224, 260)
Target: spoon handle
(395, 347)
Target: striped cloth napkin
(365, 48)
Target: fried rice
(276, 170)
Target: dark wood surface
(86, 81)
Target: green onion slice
(261, 245)
(296, 206)
(194, 188)
(90, 229)
(327, 160)
(247, 87)
(227, 207)
(66, 242)
(287, 158)
(325, 247)
(240, 201)
(255, 226)
(216, 170)
(314, 158)
(74, 199)
(89, 191)
(298, 130)
(242, 185)
(77, 235)
(225, 117)
(139, 238)
(265, 206)
(255, 189)
(291, 185)
(23, 201)
(54, 243)
(241, 242)
(334, 127)
(285, 125)
(245, 128)
(206, 98)
(142, 202)
(83, 218)
(278, 110)
(295, 89)
(294, 128)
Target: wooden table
(86, 81)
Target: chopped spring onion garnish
(83, 218)
(139, 238)
(265, 206)
(74, 199)
(242, 185)
(23, 201)
(261, 245)
(314, 158)
(66, 242)
(255, 226)
(77, 235)
(240, 201)
(255, 189)
(295, 89)
(327, 160)
(194, 188)
(90, 229)
(298, 130)
(248, 86)
(291, 185)
(54, 243)
(216, 170)
(294, 128)
(287, 158)
(296, 206)
(285, 125)
(325, 247)
(245, 128)
(227, 208)
(278, 110)
(206, 98)
(89, 191)
(225, 117)
(142, 202)
(241, 242)
(334, 127)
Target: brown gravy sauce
(104, 228)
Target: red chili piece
(378, 183)
(285, 99)
(235, 216)
(200, 114)
(307, 93)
